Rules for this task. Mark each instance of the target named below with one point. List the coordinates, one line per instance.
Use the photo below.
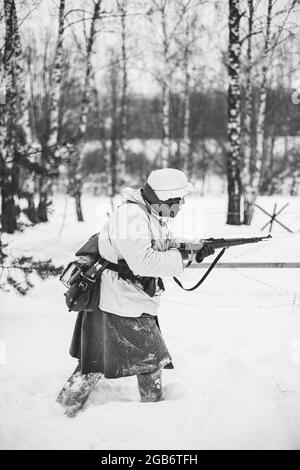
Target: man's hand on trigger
(188, 253)
(207, 250)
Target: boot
(76, 391)
(150, 386)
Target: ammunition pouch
(83, 296)
(83, 286)
(84, 290)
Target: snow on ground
(235, 343)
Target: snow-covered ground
(235, 343)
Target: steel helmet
(169, 183)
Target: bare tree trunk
(108, 170)
(187, 164)
(113, 132)
(78, 207)
(247, 141)
(88, 70)
(261, 117)
(170, 16)
(165, 150)
(43, 200)
(57, 78)
(75, 183)
(295, 185)
(112, 151)
(27, 176)
(273, 138)
(45, 181)
(9, 118)
(124, 100)
(234, 117)
(9, 208)
(165, 111)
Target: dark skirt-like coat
(118, 346)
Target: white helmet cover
(169, 183)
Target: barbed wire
(270, 286)
(280, 291)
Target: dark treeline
(208, 116)
(208, 122)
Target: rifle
(216, 243)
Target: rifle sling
(115, 267)
(124, 271)
(108, 264)
(205, 275)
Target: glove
(188, 255)
(207, 250)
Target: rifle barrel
(225, 242)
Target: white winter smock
(145, 242)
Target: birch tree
(87, 88)
(166, 83)
(247, 128)
(158, 15)
(186, 105)
(189, 39)
(161, 17)
(122, 7)
(166, 17)
(53, 140)
(32, 170)
(113, 80)
(75, 179)
(252, 190)
(57, 77)
(234, 116)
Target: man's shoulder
(132, 209)
(130, 221)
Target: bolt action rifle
(216, 243)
